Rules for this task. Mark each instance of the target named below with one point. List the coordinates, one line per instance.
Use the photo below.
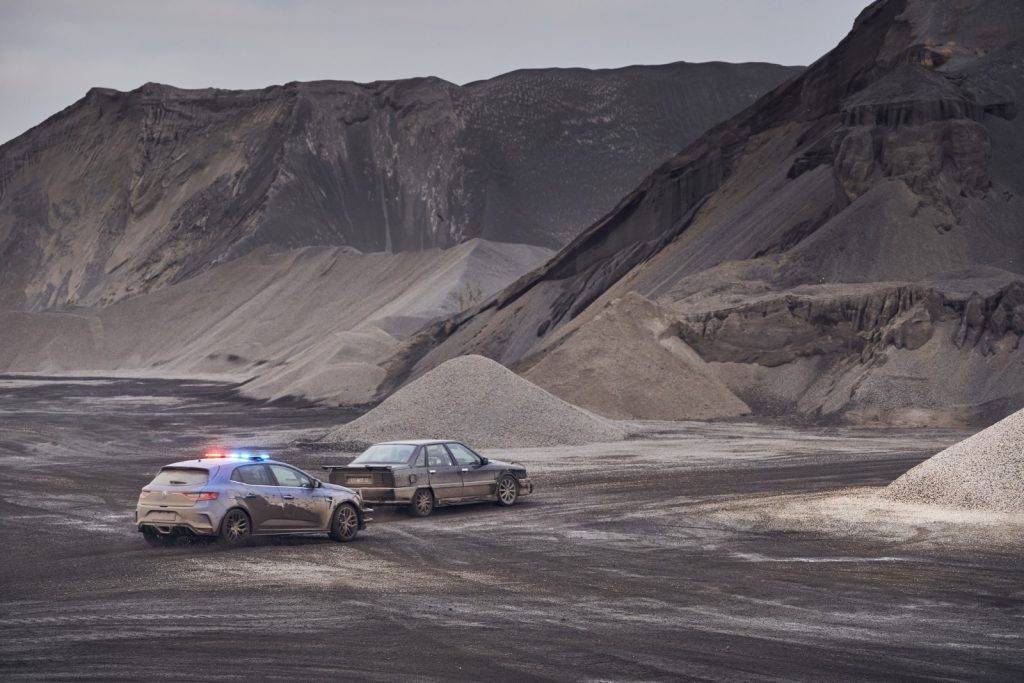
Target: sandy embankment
(311, 322)
(971, 493)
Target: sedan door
(445, 477)
(477, 481)
(304, 507)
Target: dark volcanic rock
(123, 193)
(887, 178)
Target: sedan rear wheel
(508, 490)
(422, 503)
(235, 529)
(344, 523)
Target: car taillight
(145, 494)
(196, 497)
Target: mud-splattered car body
(423, 474)
(234, 496)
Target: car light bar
(237, 455)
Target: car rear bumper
(387, 495)
(171, 520)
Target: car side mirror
(483, 461)
(316, 484)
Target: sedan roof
(416, 442)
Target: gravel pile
(477, 400)
(983, 472)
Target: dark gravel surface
(585, 580)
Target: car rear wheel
(235, 529)
(507, 490)
(344, 523)
(422, 503)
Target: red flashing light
(215, 454)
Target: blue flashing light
(238, 455)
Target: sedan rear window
(386, 454)
(181, 476)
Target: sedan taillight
(145, 494)
(196, 497)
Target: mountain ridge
(125, 192)
(890, 158)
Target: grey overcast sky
(53, 51)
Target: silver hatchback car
(235, 495)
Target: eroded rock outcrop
(827, 256)
(826, 321)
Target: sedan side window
(255, 475)
(437, 456)
(463, 455)
(286, 476)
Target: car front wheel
(422, 503)
(508, 490)
(344, 523)
(235, 529)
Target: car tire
(344, 523)
(422, 503)
(507, 491)
(235, 528)
(157, 540)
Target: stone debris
(982, 472)
(479, 401)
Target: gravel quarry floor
(664, 558)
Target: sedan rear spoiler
(370, 468)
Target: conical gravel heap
(479, 401)
(983, 472)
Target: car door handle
(250, 495)
(289, 497)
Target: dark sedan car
(425, 474)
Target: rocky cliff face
(124, 193)
(843, 242)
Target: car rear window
(386, 454)
(181, 476)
